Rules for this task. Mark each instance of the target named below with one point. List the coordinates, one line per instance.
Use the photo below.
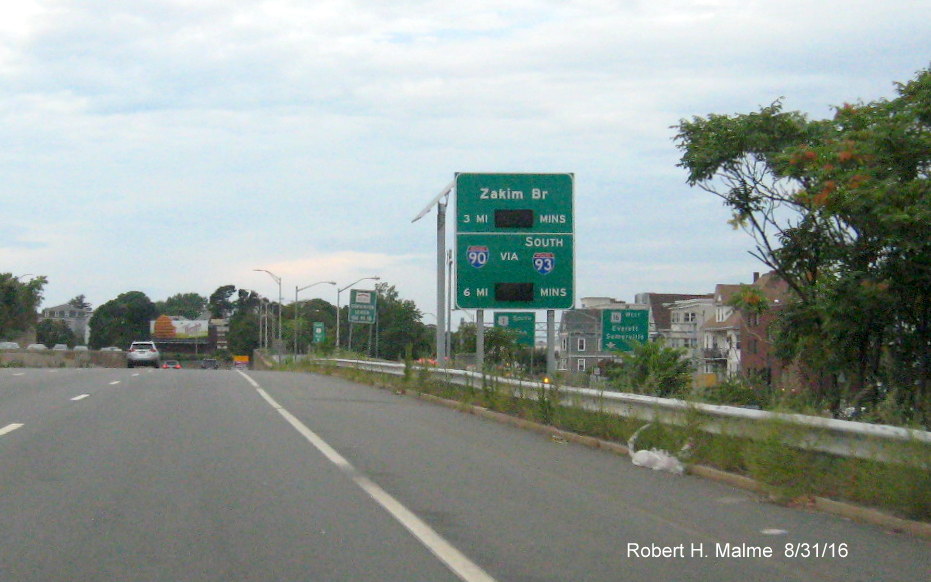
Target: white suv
(143, 354)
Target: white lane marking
(774, 532)
(114, 382)
(80, 397)
(136, 374)
(20, 374)
(9, 428)
(455, 560)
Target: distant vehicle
(60, 348)
(143, 354)
(111, 349)
(171, 364)
(80, 348)
(9, 346)
(37, 347)
(210, 364)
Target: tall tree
(219, 302)
(243, 336)
(841, 209)
(79, 302)
(189, 305)
(54, 331)
(121, 321)
(398, 326)
(18, 303)
(308, 312)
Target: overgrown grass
(787, 474)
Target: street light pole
(296, 291)
(338, 291)
(280, 299)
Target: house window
(581, 345)
(689, 317)
(581, 365)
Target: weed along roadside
(894, 493)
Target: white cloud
(225, 136)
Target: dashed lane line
(9, 428)
(456, 561)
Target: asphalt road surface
(190, 475)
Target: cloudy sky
(175, 146)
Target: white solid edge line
(455, 560)
(9, 428)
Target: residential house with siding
(660, 315)
(721, 335)
(686, 317)
(77, 319)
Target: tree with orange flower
(840, 209)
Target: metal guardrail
(838, 437)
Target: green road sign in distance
(514, 241)
(522, 322)
(621, 328)
(362, 306)
(319, 332)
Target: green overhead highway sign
(514, 203)
(515, 241)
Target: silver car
(143, 354)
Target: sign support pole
(441, 284)
(440, 256)
(550, 342)
(480, 339)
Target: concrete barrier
(62, 359)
